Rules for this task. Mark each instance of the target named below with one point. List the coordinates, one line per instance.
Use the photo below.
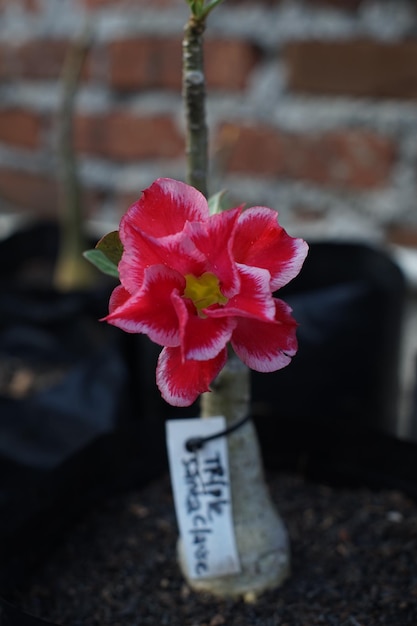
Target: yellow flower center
(203, 291)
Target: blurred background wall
(312, 108)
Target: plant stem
(72, 271)
(194, 94)
(261, 537)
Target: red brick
(28, 5)
(348, 158)
(36, 59)
(402, 235)
(360, 67)
(31, 192)
(250, 149)
(20, 127)
(93, 200)
(124, 200)
(145, 63)
(229, 62)
(32, 5)
(307, 214)
(124, 136)
(9, 68)
(39, 194)
(245, 2)
(339, 4)
(41, 58)
(353, 158)
(98, 4)
(4, 62)
(156, 63)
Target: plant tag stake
(201, 486)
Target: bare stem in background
(194, 94)
(72, 271)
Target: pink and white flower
(193, 282)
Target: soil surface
(353, 564)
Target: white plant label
(201, 487)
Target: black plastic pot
(87, 431)
(349, 302)
(333, 411)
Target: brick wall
(312, 108)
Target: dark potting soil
(354, 563)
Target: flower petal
(165, 207)
(266, 346)
(142, 250)
(262, 242)
(201, 338)
(182, 381)
(214, 239)
(118, 297)
(253, 300)
(150, 310)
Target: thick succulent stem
(194, 94)
(261, 537)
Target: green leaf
(217, 203)
(194, 5)
(111, 246)
(199, 9)
(101, 262)
(107, 254)
(210, 6)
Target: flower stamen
(203, 291)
